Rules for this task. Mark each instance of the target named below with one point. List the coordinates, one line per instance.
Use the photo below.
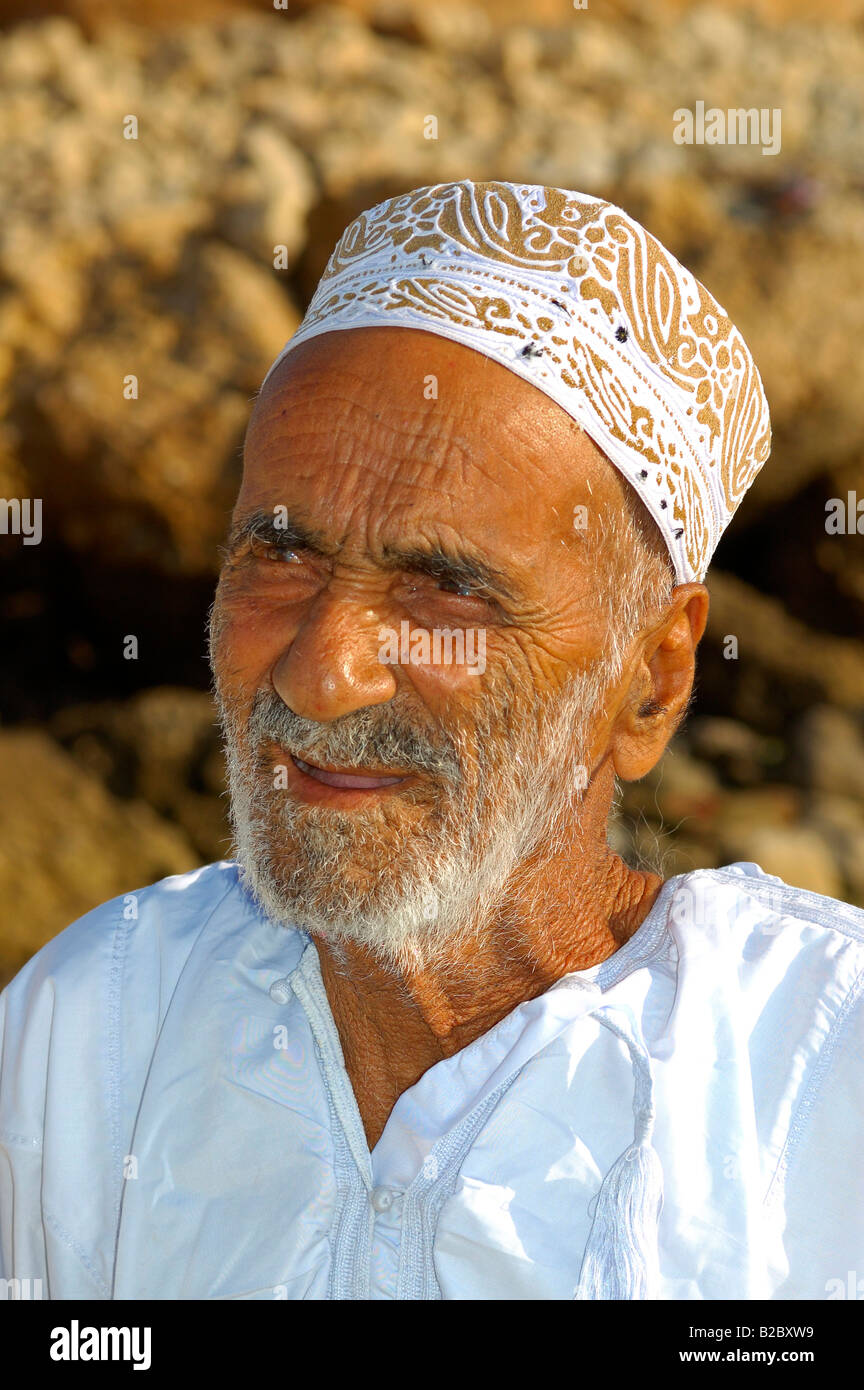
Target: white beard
(415, 879)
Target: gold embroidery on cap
(479, 257)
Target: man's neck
(394, 1025)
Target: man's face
(406, 504)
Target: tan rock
(744, 812)
(769, 637)
(797, 854)
(686, 789)
(740, 752)
(840, 820)
(831, 745)
(66, 844)
(161, 747)
(170, 454)
(765, 826)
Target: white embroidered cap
(575, 296)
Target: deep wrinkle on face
(365, 505)
(375, 520)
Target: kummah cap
(570, 293)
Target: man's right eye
(271, 550)
(454, 586)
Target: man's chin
(392, 888)
(397, 927)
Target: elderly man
(430, 1037)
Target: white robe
(176, 1120)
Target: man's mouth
(349, 779)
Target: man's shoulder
(785, 947)
(743, 898)
(162, 920)
(96, 991)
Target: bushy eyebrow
(263, 526)
(457, 565)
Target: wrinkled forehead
(393, 418)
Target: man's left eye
(450, 586)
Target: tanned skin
(344, 431)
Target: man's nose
(332, 666)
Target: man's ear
(661, 684)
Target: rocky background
(261, 127)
